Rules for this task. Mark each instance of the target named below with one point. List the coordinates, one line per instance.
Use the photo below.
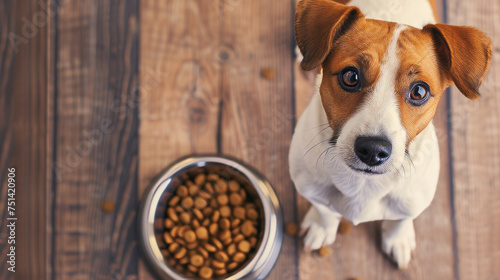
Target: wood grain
(257, 112)
(180, 58)
(23, 93)
(73, 94)
(208, 96)
(476, 152)
(95, 140)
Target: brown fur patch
(363, 47)
(343, 2)
(418, 62)
(439, 55)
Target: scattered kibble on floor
(267, 73)
(344, 227)
(108, 206)
(292, 229)
(324, 251)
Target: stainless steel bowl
(153, 210)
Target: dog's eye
(419, 93)
(349, 79)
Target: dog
(365, 147)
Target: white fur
(320, 170)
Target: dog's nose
(372, 150)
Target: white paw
(398, 241)
(317, 233)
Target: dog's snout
(372, 150)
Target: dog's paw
(317, 234)
(398, 241)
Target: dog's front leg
(398, 240)
(321, 225)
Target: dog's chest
(374, 202)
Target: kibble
(169, 223)
(221, 256)
(244, 246)
(232, 266)
(174, 201)
(239, 257)
(292, 229)
(187, 203)
(211, 226)
(217, 244)
(186, 218)
(222, 199)
(190, 236)
(225, 211)
(108, 206)
(202, 233)
(184, 260)
(167, 238)
(200, 179)
(182, 191)
(200, 203)
(198, 214)
(235, 199)
(239, 212)
(220, 272)
(212, 177)
(234, 186)
(324, 251)
(267, 73)
(196, 260)
(344, 227)
(206, 272)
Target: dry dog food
(344, 227)
(324, 251)
(212, 227)
(292, 229)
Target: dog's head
(382, 81)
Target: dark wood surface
(107, 93)
(95, 115)
(475, 146)
(23, 127)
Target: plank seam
(294, 121)
(449, 127)
(54, 139)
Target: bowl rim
(271, 243)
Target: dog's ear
(317, 24)
(464, 54)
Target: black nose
(372, 150)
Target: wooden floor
(96, 97)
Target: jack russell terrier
(365, 147)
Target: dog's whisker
(315, 127)
(319, 132)
(320, 157)
(314, 147)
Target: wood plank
(96, 125)
(358, 254)
(257, 108)
(208, 96)
(23, 88)
(180, 79)
(475, 132)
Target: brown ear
(317, 24)
(464, 54)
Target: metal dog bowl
(153, 207)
